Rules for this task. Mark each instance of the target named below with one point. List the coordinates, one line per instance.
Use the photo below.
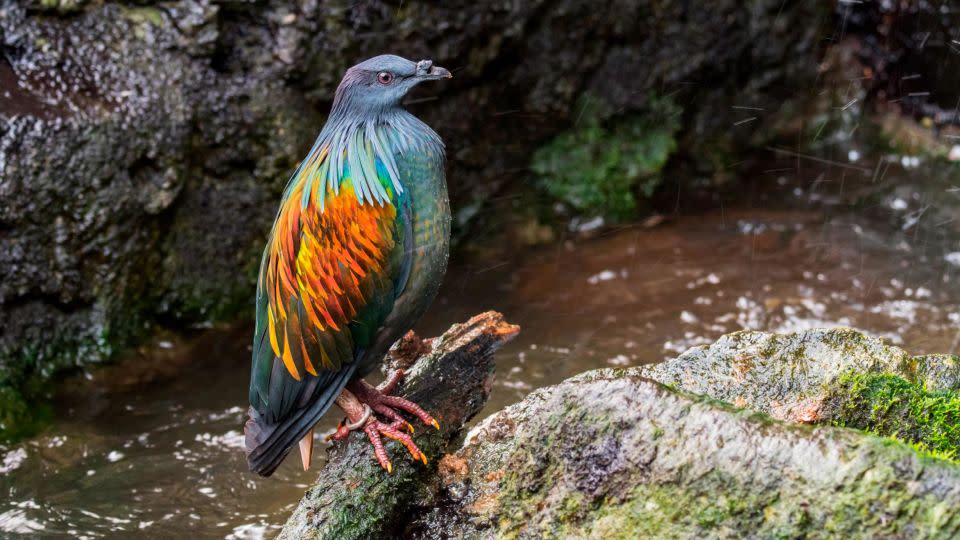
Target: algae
(26, 372)
(604, 163)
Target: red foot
(359, 399)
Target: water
(155, 446)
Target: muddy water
(165, 459)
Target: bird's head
(379, 83)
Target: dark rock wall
(144, 145)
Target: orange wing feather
(322, 259)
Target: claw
(403, 439)
(377, 413)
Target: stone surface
(835, 376)
(795, 377)
(353, 497)
(611, 454)
(144, 145)
(787, 376)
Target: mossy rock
(836, 376)
(615, 455)
(890, 405)
(602, 165)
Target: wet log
(451, 377)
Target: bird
(356, 255)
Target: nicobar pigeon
(356, 255)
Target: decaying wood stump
(353, 497)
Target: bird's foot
(360, 401)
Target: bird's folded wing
(328, 279)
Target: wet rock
(836, 376)
(793, 376)
(611, 454)
(353, 497)
(788, 376)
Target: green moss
(27, 371)
(20, 414)
(603, 164)
(25, 375)
(145, 14)
(891, 406)
(354, 518)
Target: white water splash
(12, 460)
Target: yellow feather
(288, 358)
(272, 330)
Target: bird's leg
(358, 399)
(383, 403)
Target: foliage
(889, 405)
(602, 164)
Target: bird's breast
(427, 208)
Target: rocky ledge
(752, 433)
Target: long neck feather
(364, 148)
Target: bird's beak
(437, 72)
(427, 71)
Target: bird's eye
(385, 77)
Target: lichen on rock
(836, 376)
(616, 455)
